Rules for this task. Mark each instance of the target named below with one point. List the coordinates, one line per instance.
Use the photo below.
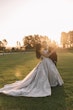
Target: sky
(19, 18)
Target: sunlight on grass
(17, 73)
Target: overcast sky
(44, 17)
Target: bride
(39, 81)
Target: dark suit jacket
(53, 56)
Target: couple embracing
(39, 81)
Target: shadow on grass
(54, 102)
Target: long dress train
(37, 83)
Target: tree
(1, 44)
(4, 41)
(18, 44)
(64, 39)
(30, 41)
(70, 38)
(37, 38)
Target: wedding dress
(37, 83)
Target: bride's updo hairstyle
(38, 49)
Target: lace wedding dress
(37, 83)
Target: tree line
(30, 41)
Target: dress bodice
(45, 51)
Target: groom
(53, 56)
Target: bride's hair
(38, 48)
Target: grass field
(15, 67)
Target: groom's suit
(53, 56)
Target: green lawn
(15, 67)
